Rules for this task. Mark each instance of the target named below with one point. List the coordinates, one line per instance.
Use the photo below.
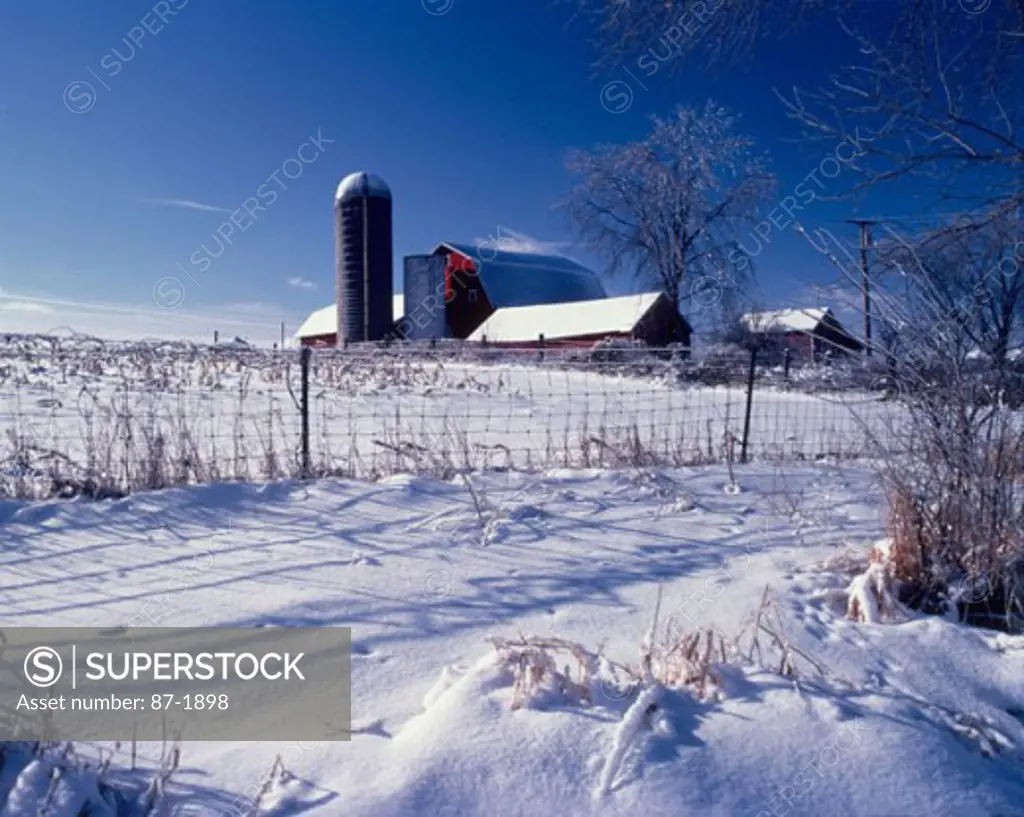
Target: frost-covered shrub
(956, 518)
(721, 364)
(873, 594)
(956, 494)
(538, 676)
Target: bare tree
(718, 30)
(938, 93)
(936, 87)
(935, 94)
(969, 283)
(952, 455)
(670, 208)
(943, 292)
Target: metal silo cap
(362, 185)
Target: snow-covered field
(925, 717)
(149, 416)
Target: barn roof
(325, 321)
(785, 320)
(513, 279)
(321, 322)
(607, 316)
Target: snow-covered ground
(920, 718)
(144, 416)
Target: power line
(913, 219)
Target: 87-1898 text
(195, 702)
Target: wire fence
(97, 419)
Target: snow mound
(768, 748)
(53, 779)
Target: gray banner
(156, 683)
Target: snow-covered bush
(873, 594)
(53, 779)
(537, 678)
(956, 518)
(545, 671)
(721, 364)
(956, 496)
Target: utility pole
(865, 241)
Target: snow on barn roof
(322, 322)
(325, 321)
(785, 320)
(605, 316)
(513, 279)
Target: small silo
(424, 297)
(362, 230)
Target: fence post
(540, 345)
(750, 403)
(304, 356)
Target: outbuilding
(320, 329)
(811, 334)
(649, 317)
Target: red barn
(477, 282)
(811, 334)
(480, 280)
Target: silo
(362, 230)
(424, 290)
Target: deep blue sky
(468, 115)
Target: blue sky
(468, 114)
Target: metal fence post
(304, 409)
(750, 403)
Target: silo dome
(362, 185)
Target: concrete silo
(362, 230)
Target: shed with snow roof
(649, 317)
(812, 333)
(321, 327)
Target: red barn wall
(320, 341)
(467, 305)
(800, 343)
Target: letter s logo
(43, 667)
